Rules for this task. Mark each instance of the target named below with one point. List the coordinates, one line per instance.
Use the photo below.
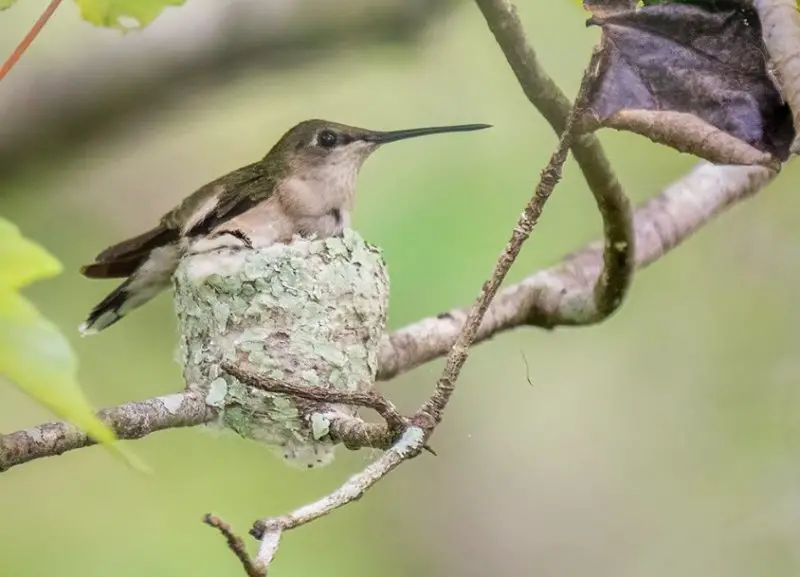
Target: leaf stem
(29, 38)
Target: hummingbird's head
(319, 161)
(314, 146)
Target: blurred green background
(662, 443)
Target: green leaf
(34, 355)
(122, 14)
(22, 261)
(5, 4)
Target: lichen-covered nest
(308, 313)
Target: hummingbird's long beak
(394, 135)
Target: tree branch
(409, 445)
(270, 530)
(585, 288)
(612, 203)
(352, 431)
(546, 298)
(237, 547)
(370, 399)
(550, 177)
(427, 418)
(543, 299)
(129, 421)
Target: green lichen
(320, 426)
(311, 378)
(310, 313)
(217, 391)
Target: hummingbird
(304, 186)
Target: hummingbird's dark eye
(327, 139)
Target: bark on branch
(129, 421)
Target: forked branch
(550, 177)
(614, 207)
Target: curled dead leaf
(693, 77)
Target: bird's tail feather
(108, 311)
(149, 278)
(117, 304)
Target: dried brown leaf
(693, 78)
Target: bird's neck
(315, 193)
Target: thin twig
(409, 445)
(357, 434)
(550, 177)
(618, 256)
(29, 38)
(370, 399)
(237, 546)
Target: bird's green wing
(236, 193)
